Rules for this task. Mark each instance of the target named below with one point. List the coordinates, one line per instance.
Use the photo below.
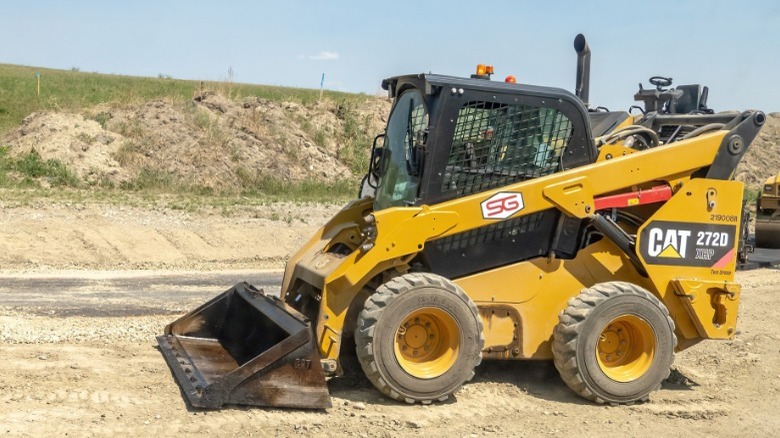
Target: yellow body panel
(537, 291)
(712, 306)
(689, 221)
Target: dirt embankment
(95, 236)
(210, 141)
(217, 142)
(762, 160)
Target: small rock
(359, 406)
(42, 357)
(546, 412)
(415, 424)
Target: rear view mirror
(375, 163)
(370, 182)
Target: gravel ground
(79, 355)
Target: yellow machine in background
(498, 221)
(768, 214)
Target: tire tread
(371, 313)
(570, 329)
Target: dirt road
(78, 355)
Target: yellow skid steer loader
(498, 221)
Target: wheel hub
(427, 343)
(625, 348)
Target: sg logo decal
(688, 244)
(502, 205)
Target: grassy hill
(92, 132)
(75, 90)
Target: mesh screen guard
(499, 144)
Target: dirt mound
(209, 141)
(762, 159)
(82, 144)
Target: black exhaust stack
(583, 68)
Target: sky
(730, 46)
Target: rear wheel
(419, 338)
(614, 343)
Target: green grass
(355, 140)
(750, 194)
(28, 177)
(74, 90)
(30, 169)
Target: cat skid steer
(498, 221)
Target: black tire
(380, 323)
(589, 319)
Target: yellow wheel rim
(625, 348)
(427, 343)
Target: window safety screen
(497, 144)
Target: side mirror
(375, 162)
(369, 183)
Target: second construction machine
(768, 214)
(498, 221)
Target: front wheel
(614, 343)
(419, 338)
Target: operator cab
(449, 137)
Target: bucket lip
(195, 389)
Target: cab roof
(429, 81)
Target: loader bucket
(245, 347)
(768, 232)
